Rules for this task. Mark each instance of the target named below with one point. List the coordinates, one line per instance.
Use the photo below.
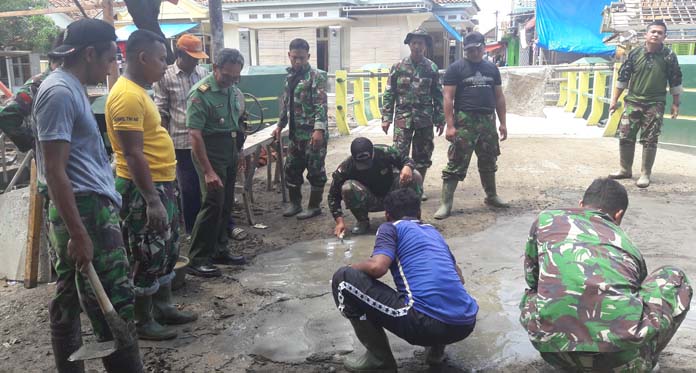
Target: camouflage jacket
(584, 276)
(17, 110)
(386, 163)
(307, 111)
(646, 75)
(416, 92)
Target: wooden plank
(31, 263)
(64, 9)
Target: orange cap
(191, 45)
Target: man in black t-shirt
(473, 94)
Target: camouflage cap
(419, 32)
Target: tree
(34, 33)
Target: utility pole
(496, 25)
(108, 17)
(215, 11)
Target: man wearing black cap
(83, 210)
(473, 94)
(365, 178)
(413, 101)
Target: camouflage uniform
(13, 114)
(304, 109)
(475, 132)
(415, 90)
(364, 191)
(154, 255)
(100, 217)
(590, 302)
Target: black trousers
(356, 295)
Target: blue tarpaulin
(168, 29)
(571, 26)
(450, 29)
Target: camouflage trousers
(152, 255)
(644, 117)
(475, 133)
(302, 155)
(360, 200)
(422, 139)
(73, 291)
(666, 295)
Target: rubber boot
(446, 199)
(435, 355)
(165, 312)
(295, 207)
(146, 326)
(363, 224)
(646, 169)
(422, 171)
(124, 360)
(626, 152)
(378, 357)
(313, 207)
(492, 198)
(66, 340)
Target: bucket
(180, 272)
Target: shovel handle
(102, 299)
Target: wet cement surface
(301, 322)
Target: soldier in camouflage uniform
(413, 100)
(473, 94)
(591, 304)
(304, 110)
(146, 180)
(646, 73)
(365, 178)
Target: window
(323, 13)
(451, 17)
(266, 16)
(294, 15)
(308, 14)
(253, 16)
(280, 15)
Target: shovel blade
(93, 351)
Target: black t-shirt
(475, 85)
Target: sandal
(239, 234)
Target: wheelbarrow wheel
(254, 114)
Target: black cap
(361, 150)
(474, 39)
(82, 33)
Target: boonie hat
(474, 39)
(83, 33)
(361, 150)
(191, 45)
(419, 32)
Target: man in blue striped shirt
(430, 306)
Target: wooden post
(218, 38)
(108, 17)
(31, 263)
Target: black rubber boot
(422, 171)
(313, 207)
(446, 198)
(125, 360)
(435, 355)
(649, 154)
(492, 198)
(146, 326)
(165, 312)
(627, 151)
(378, 357)
(363, 224)
(295, 207)
(66, 340)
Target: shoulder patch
(203, 87)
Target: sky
(486, 16)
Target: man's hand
(81, 250)
(451, 134)
(675, 111)
(212, 181)
(406, 175)
(612, 107)
(317, 139)
(340, 229)
(440, 129)
(385, 126)
(503, 132)
(156, 216)
(276, 134)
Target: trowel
(122, 336)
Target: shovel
(119, 329)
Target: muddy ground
(276, 314)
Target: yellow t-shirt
(130, 108)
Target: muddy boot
(65, 341)
(646, 169)
(446, 199)
(165, 312)
(295, 207)
(146, 326)
(435, 355)
(124, 360)
(313, 208)
(422, 171)
(626, 152)
(363, 222)
(488, 183)
(378, 357)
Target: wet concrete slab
(301, 322)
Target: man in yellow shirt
(146, 180)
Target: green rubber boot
(646, 169)
(378, 357)
(146, 326)
(313, 207)
(295, 207)
(627, 150)
(422, 171)
(492, 198)
(165, 312)
(446, 199)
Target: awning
(530, 24)
(494, 46)
(450, 29)
(170, 30)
